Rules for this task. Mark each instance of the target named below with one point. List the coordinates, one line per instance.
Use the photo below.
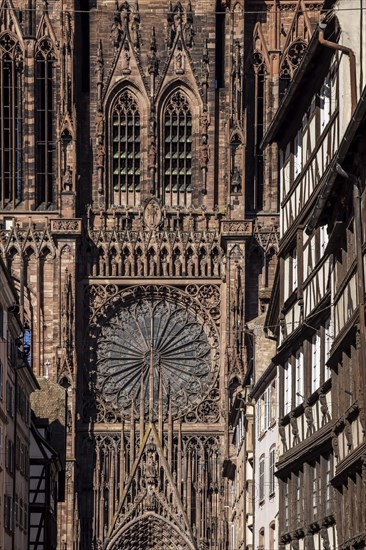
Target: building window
(261, 541)
(261, 478)
(299, 377)
(273, 398)
(325, 104)
(272, 531)
(260, 79)
(177, 151)
(328, 339)
(1, 323)
(287, 388)
(25, 517)
(16, 510)
(233, 537)
(21, 513)
(298, 498)
(264, 411)
(315, 362)
(9, 398)
(9, 455)
(328, 485)
(10, 121)
(323, 238)
(45, 123)
(298, 153)
(272, 465)
(315, 490)
(294, 269)
(126, 149)
(286, 505)
(8, 513)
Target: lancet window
(126, 149)
(260, 78)
(45, 124)
(10, 121)
(177, 184)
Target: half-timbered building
(317, 310)
(140, 236)
(45, 488)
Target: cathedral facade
(139, 222)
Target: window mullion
(133, 155)
(119, 151)
(126, 154)
(13, 134)
(185, 158)
(2, 141)
(46, 198)
(171, 158)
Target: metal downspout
(352, 62)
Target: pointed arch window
(177, 185)
(45, 124)
(126, 149)
(10, 121)
(260, 81)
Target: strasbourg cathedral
(139, 219)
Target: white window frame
(325, 104)
(258, 417)
(267, 409)
(315, 491)
(328, 341)
(324, 239)
(294, 265)
(287, 401)
(298, 153)
(299, 377)
(315, 362)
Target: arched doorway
(150, 532)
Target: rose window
(155, 347)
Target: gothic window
(260, 76)
(177, 184)
(45, 124)
(126, 149)
(290, 62)
(10, 121)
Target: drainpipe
(352, 62)
(360, 274)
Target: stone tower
(139, 225)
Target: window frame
(45, 98)
(170, 197)
(125, 194)
(315, 361)
(261, 477)
(11, 136)
(272, 468)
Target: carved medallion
(152, 214)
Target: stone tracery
(158, 343)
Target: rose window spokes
(153, 349)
